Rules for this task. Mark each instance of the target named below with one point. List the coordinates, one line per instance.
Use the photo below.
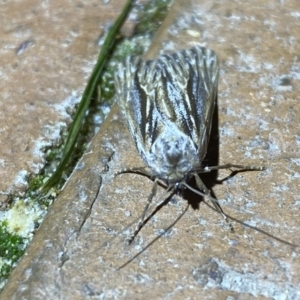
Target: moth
(168, 104)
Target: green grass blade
(86, 98)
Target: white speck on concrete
(63, 106)
(295, 14)
(21, 178)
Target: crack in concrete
(109, 159)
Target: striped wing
(176, 92)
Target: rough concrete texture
(47, 52)
(80, 245)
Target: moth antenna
(216, 207)
(254, 228)
(154, 240)
(143, 220)
(231, 166)
(140, 223)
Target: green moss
(11, 249)
(35, 182)
(154, 13)
(53, 154)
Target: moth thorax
(173, 156)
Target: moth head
(173, 156)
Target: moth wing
(136, 101)
(177, 91)
(186, 91)
(203, 91)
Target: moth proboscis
(168, 104)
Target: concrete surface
(47, 52)
(80, 245)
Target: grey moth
(168, 104)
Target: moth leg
(141, 222)
(232, 166)
(139, 170)
(206, 192)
